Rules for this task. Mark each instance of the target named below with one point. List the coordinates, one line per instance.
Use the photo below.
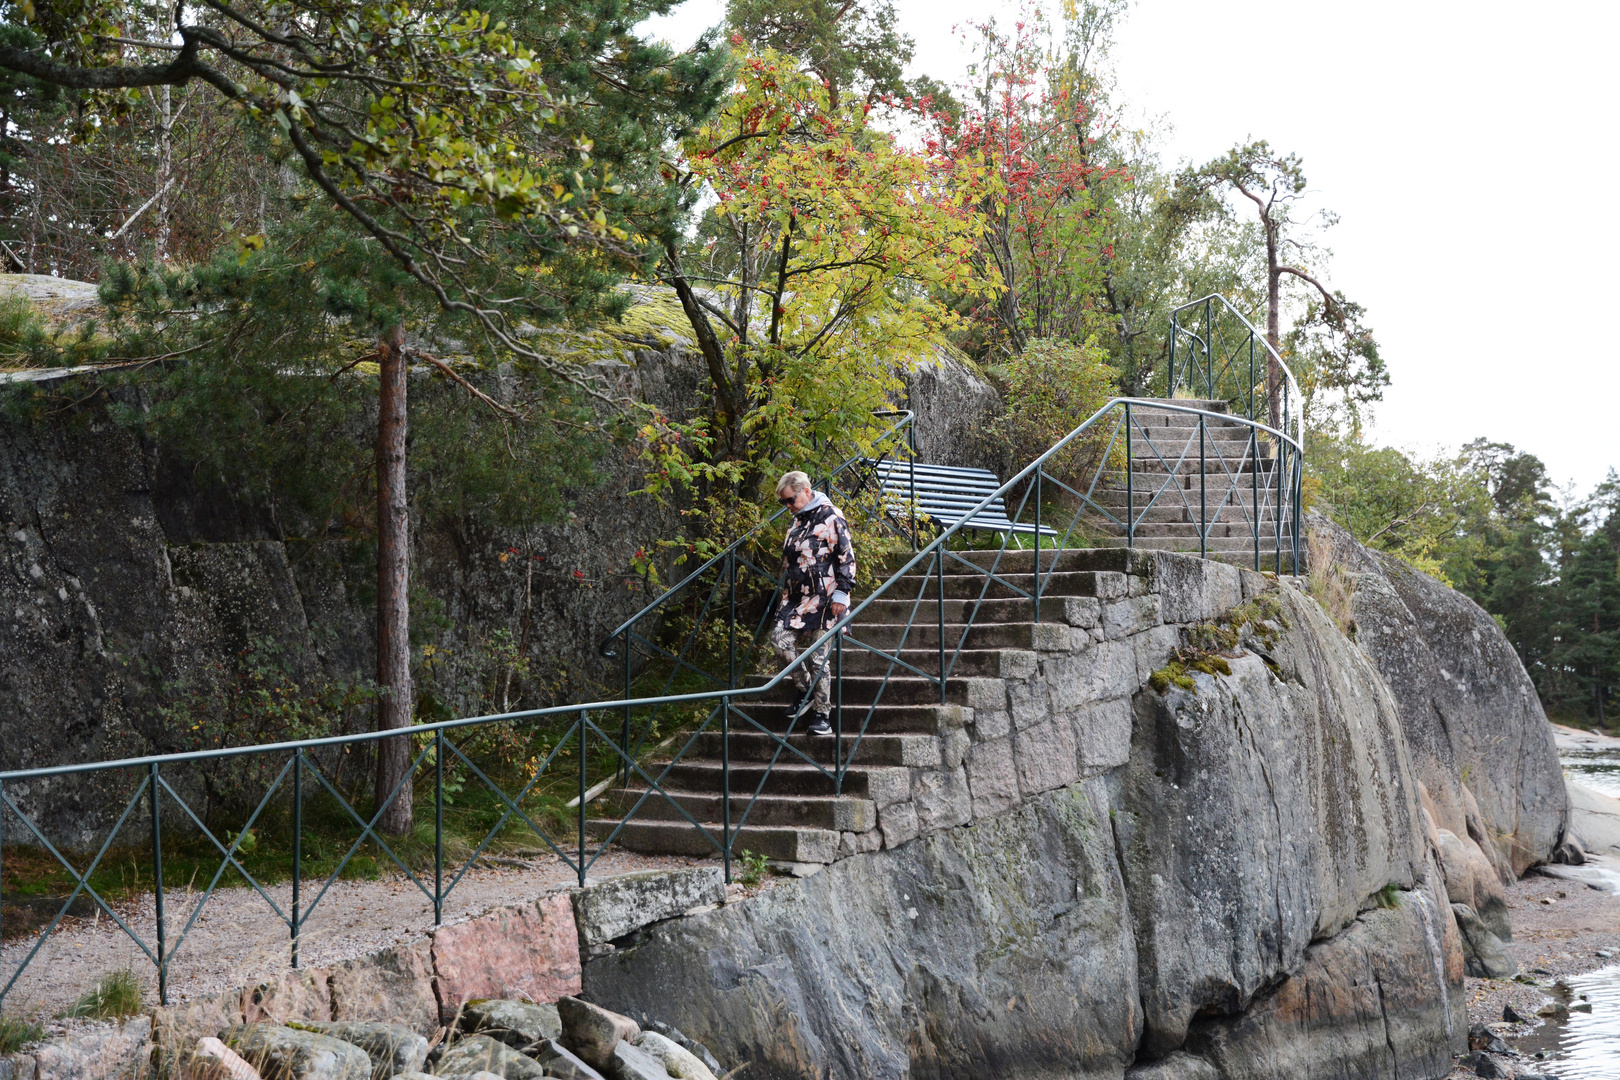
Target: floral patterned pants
(785, 643)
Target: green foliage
(817, 264)
(754, 868)
(1417, 510)
(848, 46)
(1051, 388)
(1389, 896)
(116, 995)
(17, 1033)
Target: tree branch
(1327, 297)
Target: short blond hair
(793, 481)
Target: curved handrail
(1296, 410)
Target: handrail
(729, 702)
(1294, 400)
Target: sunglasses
(786, 500)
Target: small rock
(1581, 1006)
(1554, 1010)
(633, 1063)
(678, 1061)
(480, 1053)
(415, 1076)
(560, 1063)
(693, 1045)
(1549, 901)
(592, 1031)
(515, 1023)
(1603, 954)
(393, 1049)
(1481, 1037)
(1490, 1068)
(213, 1060)
(1484, 955)
(1513, 1016)
(283, 1053)
(1570, 851)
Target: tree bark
(393, 582)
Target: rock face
(1364, 1004)
(525, 952)
(1284, 787)
(1005, 948)
(1480, 743)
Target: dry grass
(1327, 582)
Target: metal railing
(1109, 481)
(1217, 354)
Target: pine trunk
(393, 581)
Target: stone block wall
(1059, 713)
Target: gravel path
(238, 940)
(1551, 942)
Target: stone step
(963, 583)
(899, 690)
(1171, 507)
(784, 843)
(981, 635)
(918, 612)
(885, 719)
(912, 751)
(838, 813)
(881, 784)
(1188, 545)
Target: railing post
(1209, 349)
(1251, 376)
(1170, 378)
(2, 872)
(939, 563)
(838, 714)
(1038, 471)
(731, 624)
(1254, 473)
(624, 729)
(911, 470)
(1130, 484)
(438, 827)
(297, 845)
(1203, 501)
(583, 732)
(725, 785)
(157, 888)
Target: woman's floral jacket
(818, 566)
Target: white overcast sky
(1470, 150)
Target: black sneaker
(821, 727)
(800, 700)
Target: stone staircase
(1168, 516)
(800, 816)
